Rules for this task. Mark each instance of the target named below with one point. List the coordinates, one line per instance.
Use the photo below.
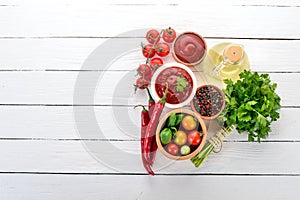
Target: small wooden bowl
(196, 151)
(222, 107)
(185, 63)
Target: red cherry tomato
(141, 84)
(155, 63)
(194, 138)
(162, 49)
(152, 35)
(144, 70)
(148, 77)
(148, 51)
(169, 35)
(173, 149)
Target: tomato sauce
(189, 48)
(170, 76)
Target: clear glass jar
(228, 59)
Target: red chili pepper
(144, 123)
(151, 128)
(151, 102)
(151, 105)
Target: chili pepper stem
(163, 99)
(149, 94)
(140, 105)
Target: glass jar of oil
(228, 61)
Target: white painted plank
(124, 156)
(114, 88)
(53, 187)
(79, 19)
(70, 53)
(153, 2)
(58, 123)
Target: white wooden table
(43, 46)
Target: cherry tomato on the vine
(155, 63)
(141, 83)
(148, 51)
(162, 49)
(169, 35)
(144, 70)
(152, 35)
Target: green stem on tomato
(153, 46)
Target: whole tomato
(155, 63)
(144, 70)
(141, 83)
(172, 149)
(148, 51)
(189, 123)
(169, 35)
(152, 35)
(149, 76)
(180, 138)
(162, 49)
(194, 138)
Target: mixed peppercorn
(208, 101)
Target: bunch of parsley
(251, 104)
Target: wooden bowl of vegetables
(208, 102)
(181, 134)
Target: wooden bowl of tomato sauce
(181, 82)
(181, 134)
(189, 48)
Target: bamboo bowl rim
(196, 151)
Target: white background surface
(43, 45)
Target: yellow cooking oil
(228, 61)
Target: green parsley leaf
(181, 84)
(251, 104)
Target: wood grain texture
(70, 54)
(28, 187)
(58, 123)
(44, 43)
(271, 158)
(58, 88)
(77, 19)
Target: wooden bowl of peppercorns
(209, 101)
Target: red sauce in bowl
(176, 94)
(189, 48)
